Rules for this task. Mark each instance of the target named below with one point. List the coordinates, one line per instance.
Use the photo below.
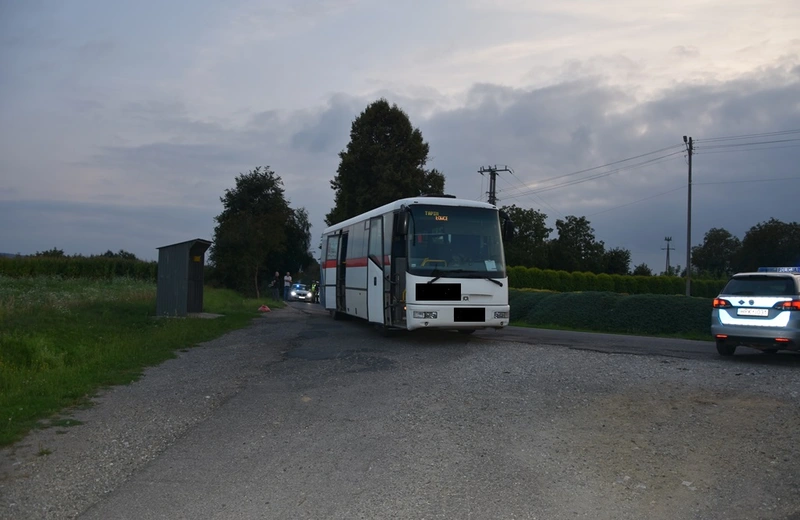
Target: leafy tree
(576, 249)
(51, 253)
(642, 270)
(715, 257)
(122, 254)
(769, 244)
(529, 247)
(311, 273)
(253, 232)
(617, 261)
(241, 241)
(384, 161)
(295, 256)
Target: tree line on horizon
(56, 252)
(720, 255)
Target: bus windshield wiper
(466, 273)
(434, 272)
(476, 274)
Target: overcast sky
(122, 123)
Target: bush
(517, 277)
(661, 314)
(562, 281)
(644, 314)
(585, 310)
(522, 302)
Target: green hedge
(562, 281)
(645, 314)
(97, 267)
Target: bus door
(328, 272)
(341, 274)
(375, 291)
(397, 291)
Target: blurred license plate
(753, 312)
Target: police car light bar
(779, 269)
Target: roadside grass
(62, 340)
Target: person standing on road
(287, 283)
(276, 286)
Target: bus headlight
(426, 315)
(501, 315)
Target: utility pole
(668, 240)
(492, 171)
(690, 150)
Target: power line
(597, 176)
(608, 164)
(747, 181)
(739, 145)
(683, 187)
(703, 152)
(541, 201)
(637, 201)
(749, 136)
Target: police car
(760, 310)
(300, 292)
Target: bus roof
(392, 206)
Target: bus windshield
(455, 242)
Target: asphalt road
(634, 345)
(301, 416)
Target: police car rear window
(760, 286)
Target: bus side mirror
(401, 223)
(508, 231)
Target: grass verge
(63, 340)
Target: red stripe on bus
(357, 262)
(352, 262)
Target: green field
(61, 340)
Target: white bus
(421, 262)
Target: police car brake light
(791, 305)
(719, 303)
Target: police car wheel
(725, 349)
